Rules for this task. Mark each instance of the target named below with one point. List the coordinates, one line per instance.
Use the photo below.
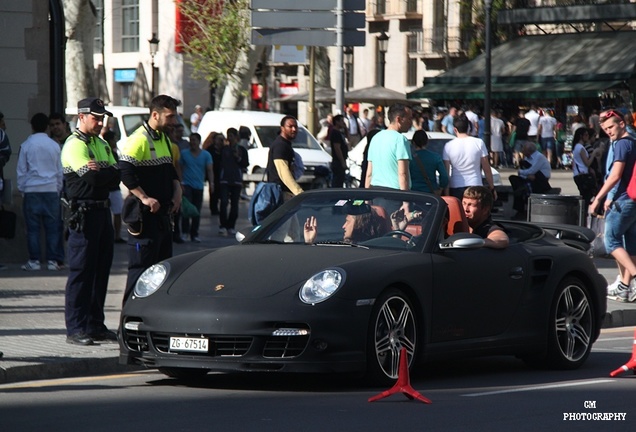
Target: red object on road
(403, 384)
(631, 364)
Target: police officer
(90, 172)
(147, 171)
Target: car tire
(571, 327)
(393, 325)
(183, 373)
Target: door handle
(516, 273)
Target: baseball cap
(93, 106)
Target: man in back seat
(477, 203)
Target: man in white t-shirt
(467, 156)
(547, 126)
(473, 128)
(497, 130)
(195, 118)
(533, 118)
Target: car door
(476, 292)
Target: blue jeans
(43, 209)
(548, 143)
(620, 226)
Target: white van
(125, 121)
(265, 126)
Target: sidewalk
(32, 330)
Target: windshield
(345, 218)
(436, 145)
(133, 121)
(304, 140)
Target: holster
(73, 214)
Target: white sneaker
(31, 265)
(222, 231)
(53, 266)
(612, 287)
(631, 294)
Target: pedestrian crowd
(166, 174)
(601, 155)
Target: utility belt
(94, 204)
(74, 211)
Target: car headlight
(321, 286)
(151, 279)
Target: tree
(214, 36)
(80, 17)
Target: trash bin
(558, 209)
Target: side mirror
(462, 241)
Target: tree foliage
(500, 34)
(214, 34)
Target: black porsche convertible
(340, 280)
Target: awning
(321, 94)
(517, 90)
(543, 66)
(376, 95)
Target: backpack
(267, 197)
(631, 186)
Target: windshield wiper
(339, 243)
(266, 241)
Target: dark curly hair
(367, 226)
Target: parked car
(436, 142)
(350, 304)
(264, 127)
(126, 120)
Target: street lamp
(348, 60)
(488, 78)
(154, 47)
(383, 46)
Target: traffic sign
(305, 37)
(299, 20)
(317, 5)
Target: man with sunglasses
(619, 208)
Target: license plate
(188, 344)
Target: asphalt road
(488, 394)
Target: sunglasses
(611, 113)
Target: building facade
(132, 70)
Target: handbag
(7, 223)
(188, 210)
(597, 224)
(267, 197)
(513, 138)
(420, 165)
(6, 192)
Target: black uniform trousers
(154, 244)
(90, 256)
